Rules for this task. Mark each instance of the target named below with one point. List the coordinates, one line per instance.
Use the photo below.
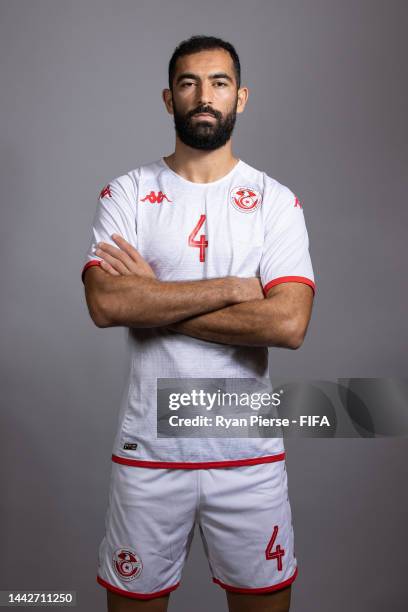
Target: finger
(127, 247)
(114, 252)
(115, 263)
(108, 268)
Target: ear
(243, 93)
(168, 100)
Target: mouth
(204, 115)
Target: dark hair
(203, 43)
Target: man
(205, 259)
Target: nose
(204, 92)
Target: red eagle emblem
(127, 564)
(246, 199)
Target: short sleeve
(285, 257)
(115, 214)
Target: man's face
(205, 82)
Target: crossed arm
(124, 291)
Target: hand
(123, 261)
(245, 290)
(248, 289)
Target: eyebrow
(191, 75)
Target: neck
(201, 166)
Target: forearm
(264, 322)
(135, 301)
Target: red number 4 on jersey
(202, 243)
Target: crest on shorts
(245, 199)
(127, 563)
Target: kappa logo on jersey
(127, 563)
(245, 199)
(106, 191)
(155, 199)
(298, 203)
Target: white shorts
(244, 518)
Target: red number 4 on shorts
(278, 552)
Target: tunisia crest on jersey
(127, 564)
(245, 199)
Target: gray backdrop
(81, 104)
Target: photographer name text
(251, 421)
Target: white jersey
(244, 224)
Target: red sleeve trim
(93, 262)
(275, 587)
(289, 279)
(133, 595)
(197, 465)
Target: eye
(221, 83)
(186, 84)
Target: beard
(204, 134)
